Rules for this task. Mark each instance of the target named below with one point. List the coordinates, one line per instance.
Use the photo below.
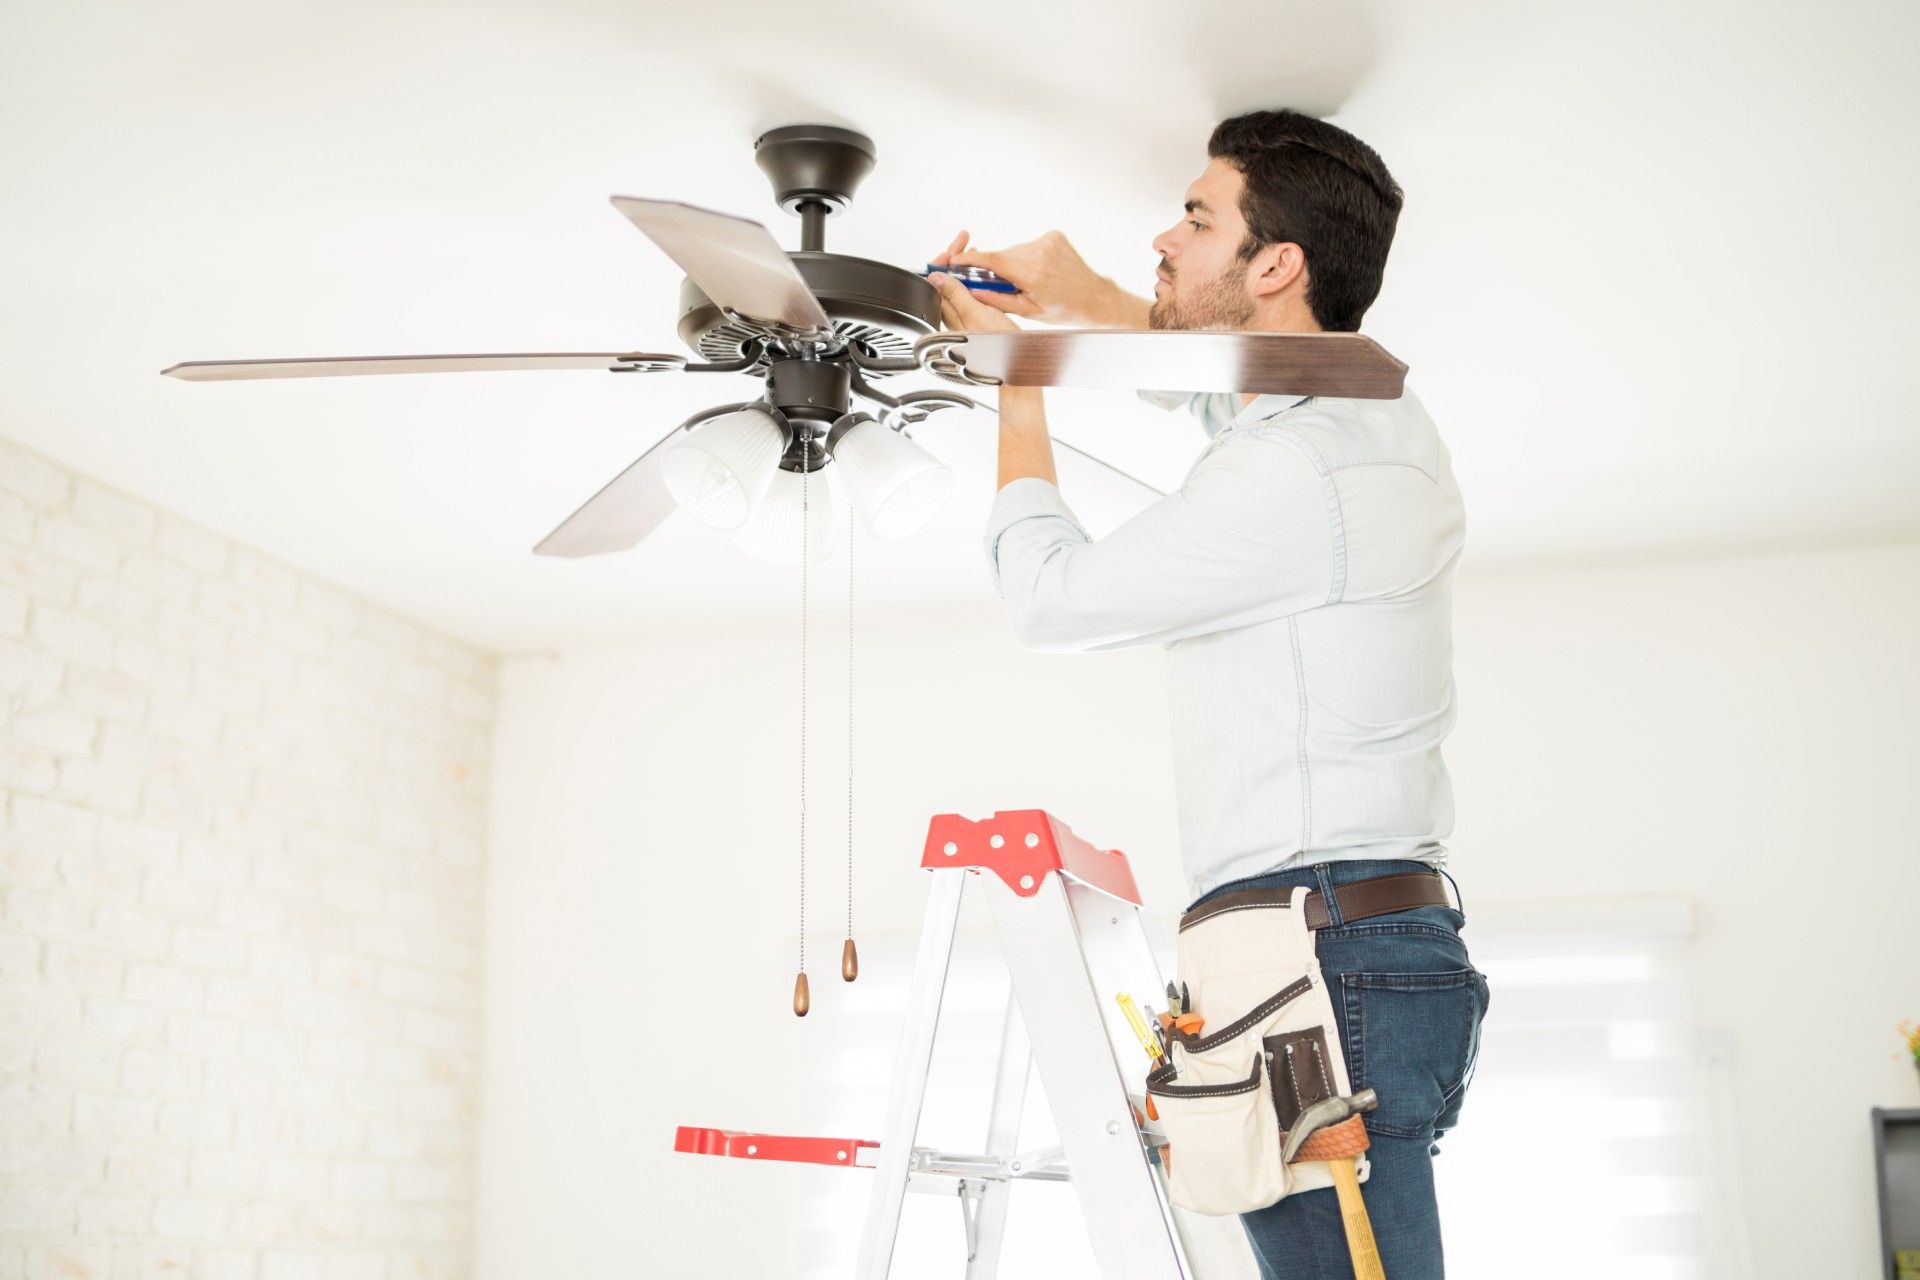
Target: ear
(1276, 269)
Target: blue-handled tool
(975, 278)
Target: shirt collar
(1264, 407)
(1220, 411)
(1258, 411)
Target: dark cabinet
(1896, 1154)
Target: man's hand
(1056, 285)
(961, 308)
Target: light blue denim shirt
(1301, 582)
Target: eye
(1196, 226)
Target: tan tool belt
(1269, 1047)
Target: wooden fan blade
(629, 506)
(734, 261)
(1344, 365)
(351, 366)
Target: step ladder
(1067, 919)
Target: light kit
(723, 470)
(744, 472)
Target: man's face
(1201, 283)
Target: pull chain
(802, 999)
(849, 954)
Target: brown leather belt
(1358, 900)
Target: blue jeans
(1408, 1003)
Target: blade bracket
(641, 362)
(882, 364)
(744, 363)
(912, 407)
(941, 354)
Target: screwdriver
(975, 278)
(1148, 1040)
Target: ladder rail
(909, 1089)
(1003, 1139)
(1046, 937)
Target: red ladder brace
(1022, 847)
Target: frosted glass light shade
(772, 532)
(724, 466)
(894, 484)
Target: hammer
(1338, 1149)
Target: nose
(1163, 244)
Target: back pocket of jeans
(1410, 1038)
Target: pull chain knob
(802, 999)
(849, 961)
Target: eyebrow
(1198, 206)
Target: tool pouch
(1269, 1049)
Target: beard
(1218, 303)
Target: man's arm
(1250, 536)
(1026, 450)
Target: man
(1300, 581)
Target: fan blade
(1103, 463)
(734, 261)
(629, 506)
(1314, 364)
(919, 397)
(348, 366)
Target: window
(1590, 1123)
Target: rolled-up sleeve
(1252, 535)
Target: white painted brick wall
(241, 843)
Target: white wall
(241, 845)
(1741, 731)
(1736, 730)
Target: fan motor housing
(879, 306)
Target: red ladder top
(1022, 846)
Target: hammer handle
(1353, 1216)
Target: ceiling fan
(821, 329)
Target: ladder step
(846, 1152)
(1038, 1166)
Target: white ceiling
(1656, 276)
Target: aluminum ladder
(1067, 919)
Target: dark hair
(1315, 185)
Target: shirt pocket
(1412, 1038)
